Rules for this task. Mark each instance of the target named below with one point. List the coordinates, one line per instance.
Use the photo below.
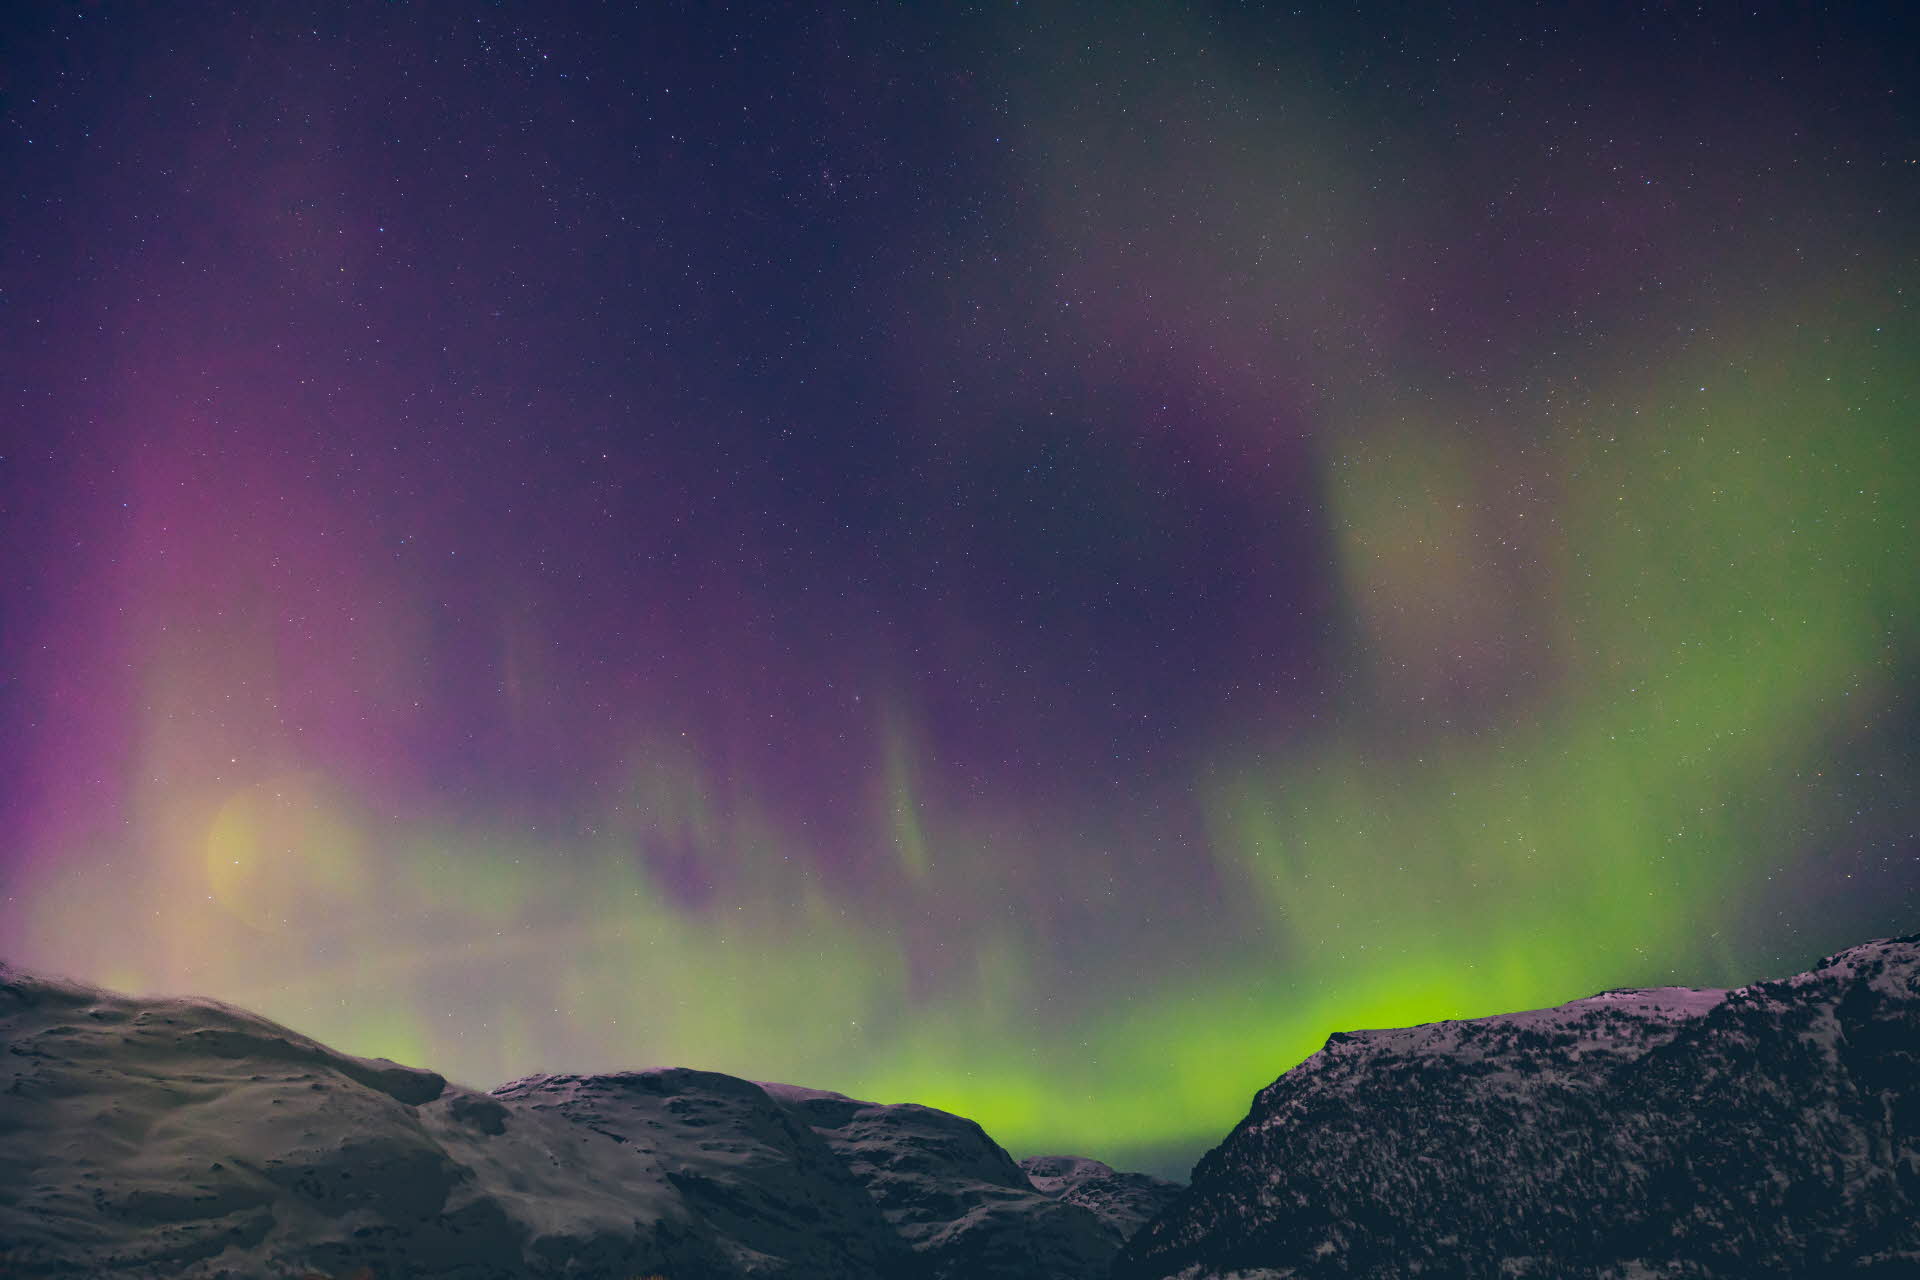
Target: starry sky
(1037, 558)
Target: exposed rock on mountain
(189, 1140)
(1769, 1131)
(1124, 1201)
(956, 1198)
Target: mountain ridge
(181, 1137)
(1635, 1132)
(1771, 1130)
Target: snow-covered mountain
(1769, 1131)
(954, 1197)
(187, 1139)
(1124, 1201)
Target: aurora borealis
(1033, 558)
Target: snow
(187, 1139)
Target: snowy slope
(1772, 1130)
(188, 1140)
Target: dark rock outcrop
(1770, 1131)
(1124, 1201)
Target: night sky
(1034, 558)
